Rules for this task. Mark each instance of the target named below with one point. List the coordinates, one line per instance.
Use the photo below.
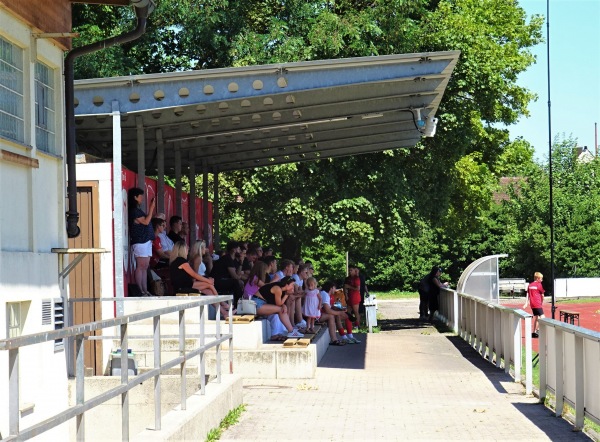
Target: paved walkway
(409, 382)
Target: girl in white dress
(312, 304)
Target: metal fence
(494, 331)
(569, 367)
(78, 335)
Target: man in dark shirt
(176, 224)
(251, 257)
(227, 274)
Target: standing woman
(434, 290)
(141, 235)
(352, 291)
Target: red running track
(589, 314)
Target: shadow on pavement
(349, 356)
(401, 324)
(538, 414)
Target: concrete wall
(577, 287)
(32, 221)
(215, 404)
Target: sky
(574, 75)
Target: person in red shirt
(352, 290)
(535, 298)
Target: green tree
(400, 205)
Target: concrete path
(409, 382)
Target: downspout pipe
(142, 10)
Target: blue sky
(574, 75)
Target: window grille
(59, 321)
(45, 136)
(47, 312)
(53, 313)
(12, 123)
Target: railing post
(80, 385)
(182, 353)
(456, 310)
(230, 311)
(479, 328)
(517, 347)
(559, 367)
(69, 346)
(157, 378)
(203, 353)
(124, 381)
(506, 340)
(579, 384)
(543, 360)
(528, 357)
(498, 336)
(218, 349)
(490, 332)
(461, 327)
(13, 391)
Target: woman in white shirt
(196, 253)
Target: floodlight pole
(550, 161)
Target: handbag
(158, 287)
(246, 307)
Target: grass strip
(232, 418)
(395, 294)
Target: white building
(33, 203)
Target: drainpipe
(142, 10)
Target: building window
(14, 319)
(11, 92)
(44, 108)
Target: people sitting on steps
(175, 226)
(185, 280)
(227, 274)
(335, 317)
(270, 299)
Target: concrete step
(253, 355)
(248, 336)
(103, 423)
(269, 361)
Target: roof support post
(192, 197)
(178, 205)
(216, 235)
(160, 156)
(205, 226)
(141, 156)
(119, 215)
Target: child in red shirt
(535, 298)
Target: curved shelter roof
(238, 118)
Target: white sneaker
(295, 334)
(301, 324)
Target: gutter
(143, 8)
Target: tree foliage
(395, 212)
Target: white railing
(79, 332)
(494, 331)
(570, 368)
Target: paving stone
(409, 382)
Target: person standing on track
(535, 298)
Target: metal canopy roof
(237, 118)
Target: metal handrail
(580, 371)
(13, 346)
